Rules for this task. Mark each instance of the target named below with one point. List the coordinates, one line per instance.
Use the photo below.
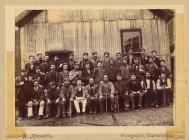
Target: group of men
(95, 85)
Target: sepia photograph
(95, 67)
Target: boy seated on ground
(135, 91)
(92, 100)
(36, 103)
(163, 90)
(106, 93)
(121, 94)
(80, 97)
(65, 100)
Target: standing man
(93, 93)
(135, 91)
(80, 97)
(86, 60)
(75, 74)
(106, 93)
(152, 68)
(71, 61)
(99, 72)
(143, 57)
(106, 62)
(52, 76)
(125, 70)
(155, 58)
(40, 76)
(63, 74)
(21, 93)
(163, 90)
(65, 100)
(45, 65)
(164, 69)
(95, 59)
(119, 61)
(130, 57)
(138, 69)
(87, 73)
(30, 67)
(57, 63)
(39, 60)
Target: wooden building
(88, 30)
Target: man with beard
(151, 67)
(36, 103)
(163, 90)
(63, 74)
(99, 72)
(155, 58)
(30, 67)
(163, 69)
(71, 61)
(39, 60)
(75, 74)
(106, 62)
(119, 61)
(86, 60)
(57, 63)
(80, 97)
(121, 95)
(125, 70)
(95, 59)
(87, 73)
(51, 94)
(113, 71)
(40, 76)
(149, 89)
(92, 100)
(106, 94)
(130, 57)
(65, 99)
(135, 90)
(143, 57)
(23, 93)
(45, 65)
(52, 76)
(138, 69)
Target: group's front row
(98, 98)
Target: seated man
(36, 103)
(135, 90)
(106, 92)
(65, 99)
(51, 96)
(149, 88)
(80, 97)
(163, 90)
(121, 94)
(92, 99)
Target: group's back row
(46, 71)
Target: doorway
(62, 55)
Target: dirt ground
(144, 117)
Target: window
(131, 38)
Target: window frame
(130, 30)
